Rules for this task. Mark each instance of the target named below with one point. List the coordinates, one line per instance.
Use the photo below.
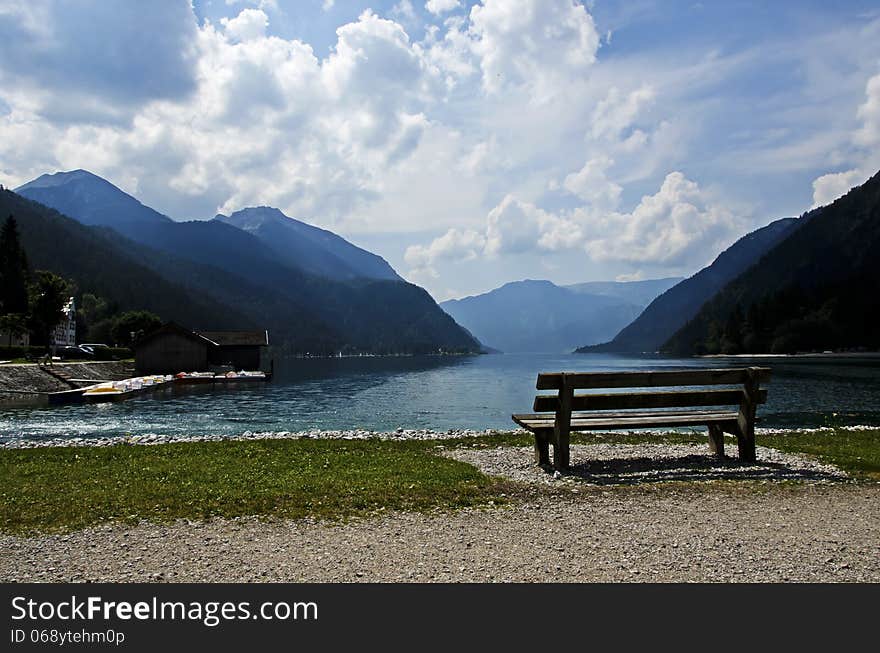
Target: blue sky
(469, 143)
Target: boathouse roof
(237, 338)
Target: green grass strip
(855, 452)
(64, 488)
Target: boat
(120, 390)
(192, 378)
(243, 376)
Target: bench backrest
(567, 383)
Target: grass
(51, 489)
(68, 488)
(855, 452)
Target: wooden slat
(591, 424)
(655, 378)
(627, 414)
(546, 420)
(623, 400)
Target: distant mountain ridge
(94, 200)
(214, 259)
(314, 250)
(817, 289)
(539, 316)
(637, 292)
(672, 309)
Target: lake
(440, 393)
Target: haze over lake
(439, 393)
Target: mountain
(539, 316)
(92, 199)
(237, 269)
(819, 289)
(97, 264)
(316, 251)
(634, 292)
(672, 310)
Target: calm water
(437, 393)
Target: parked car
(66, 353)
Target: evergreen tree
(13, 271)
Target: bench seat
(632, 419)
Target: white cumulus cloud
(249, 24)
(679, 225)
(869, 113)
(536, 43)
(454, 245)
(438, 7)
(828, 188)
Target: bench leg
(745, 439)
(560, 451)
(745, 442)
(542, 448)
(716, 440)
(745, 421)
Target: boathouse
(173, 348)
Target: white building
(65, 332)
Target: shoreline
(844, 354)
(399, 435)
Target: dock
(103, 391)
(110, 390)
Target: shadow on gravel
(631, 471)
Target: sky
(470, 143)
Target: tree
(13, 271)
(48, 295)
(14, 323)
(94, 318)
(133, 325)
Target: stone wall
(31, 378)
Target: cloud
(869, 112)
(97, 59)
(404, 10)
(538, 44)
(261, 4)
(866, 139)
(678, 226)
(828, 188)
(454, 245)
(438, 7)
(516, 227)
(592, 185)
(501, 127)
(617, 111)
(249, 24)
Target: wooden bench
(556, 416)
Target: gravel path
(755, 531)
(623, 464)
